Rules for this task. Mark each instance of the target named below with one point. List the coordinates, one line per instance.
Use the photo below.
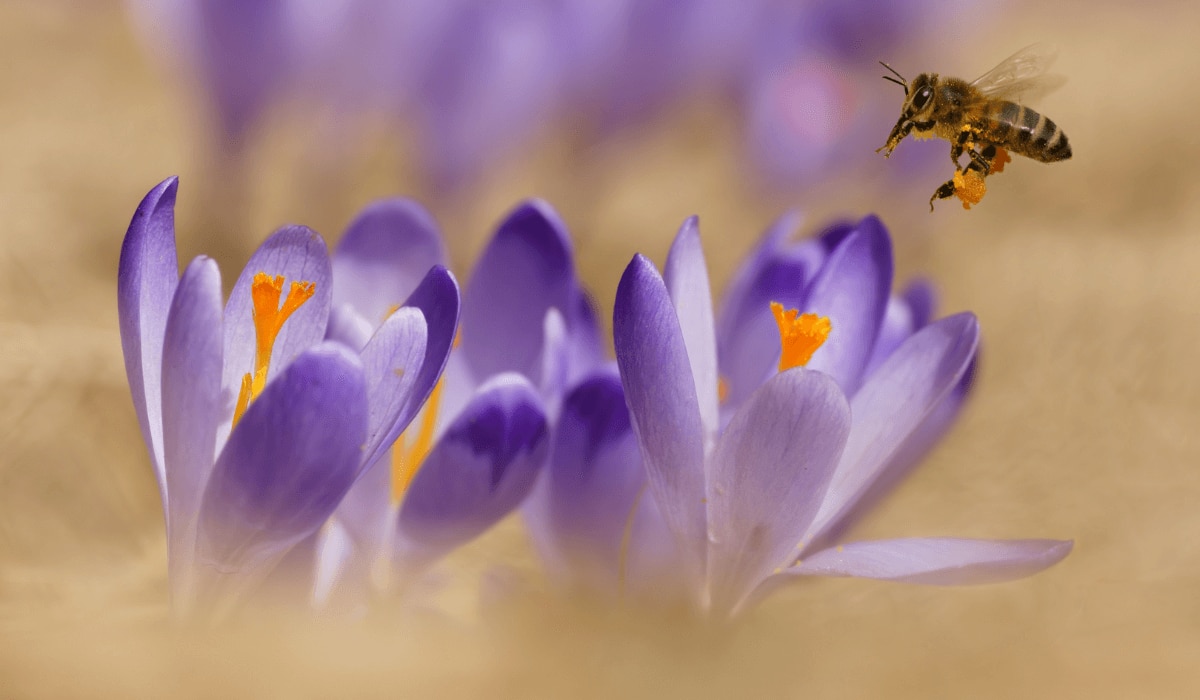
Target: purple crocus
(477, 79)
(739, 467)
(257, 428)
(527, 331)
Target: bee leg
(946, 191)
(964, 142)
(981, 161)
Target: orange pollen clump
(406, 462)
(269, 318)
(799, 335)
(969, 188)
(722, 390)
(998, 162)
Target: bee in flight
(984, 119)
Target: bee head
(919, 105)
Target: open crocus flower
(256, 427)
(754, 464)
(473, 455)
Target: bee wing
(1022, 74)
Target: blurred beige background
(1084, 425)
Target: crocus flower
(472, 457)
(477, 79)
(256, 428)
(758, 452)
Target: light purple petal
(919, 443)
(769, 474)
(192, 406)
(146, 279)
(392, 362)
(661, 396)
(385, 253)
(555, 361)
(937, 561)
(891, 406)
(654, 568)
(593, 480)
(852, 289)
(284, 469)
(297, 253)
(348, 327)
(686, 277)
(481, 469)
(525, 271)
(437, 299)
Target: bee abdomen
(1027, 132)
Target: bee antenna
(903, 82)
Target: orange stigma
(799, 335)
(406, 462)
(269, 318)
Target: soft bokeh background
(1084, 276)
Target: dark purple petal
(525, 271)
(392, 362)
(284, 469)
(385, 253)
(593, 480)
(661, 396)
(584, 340)
(481, 469)
(891, 406)
(192, 405)
(937, 561)
(922, 299)
(437, 299)
(769, 473)
(146, 279)
(297, 253)
(686, 277)
(897, 326)
(852, 289)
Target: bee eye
(921, 99)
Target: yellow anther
(406, 462)
(799, 335)
(269, 318)
(969, 188)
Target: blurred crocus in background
(758, 458)
(528, 332)
(256, 427)
(473, 81)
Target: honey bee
(983, 118)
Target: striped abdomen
(1024, 131)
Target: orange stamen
(799, 335)
(406, 462)
(269, 318)
(722, 390)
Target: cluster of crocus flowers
(756, 438)
(348, 418)
(477, 79)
